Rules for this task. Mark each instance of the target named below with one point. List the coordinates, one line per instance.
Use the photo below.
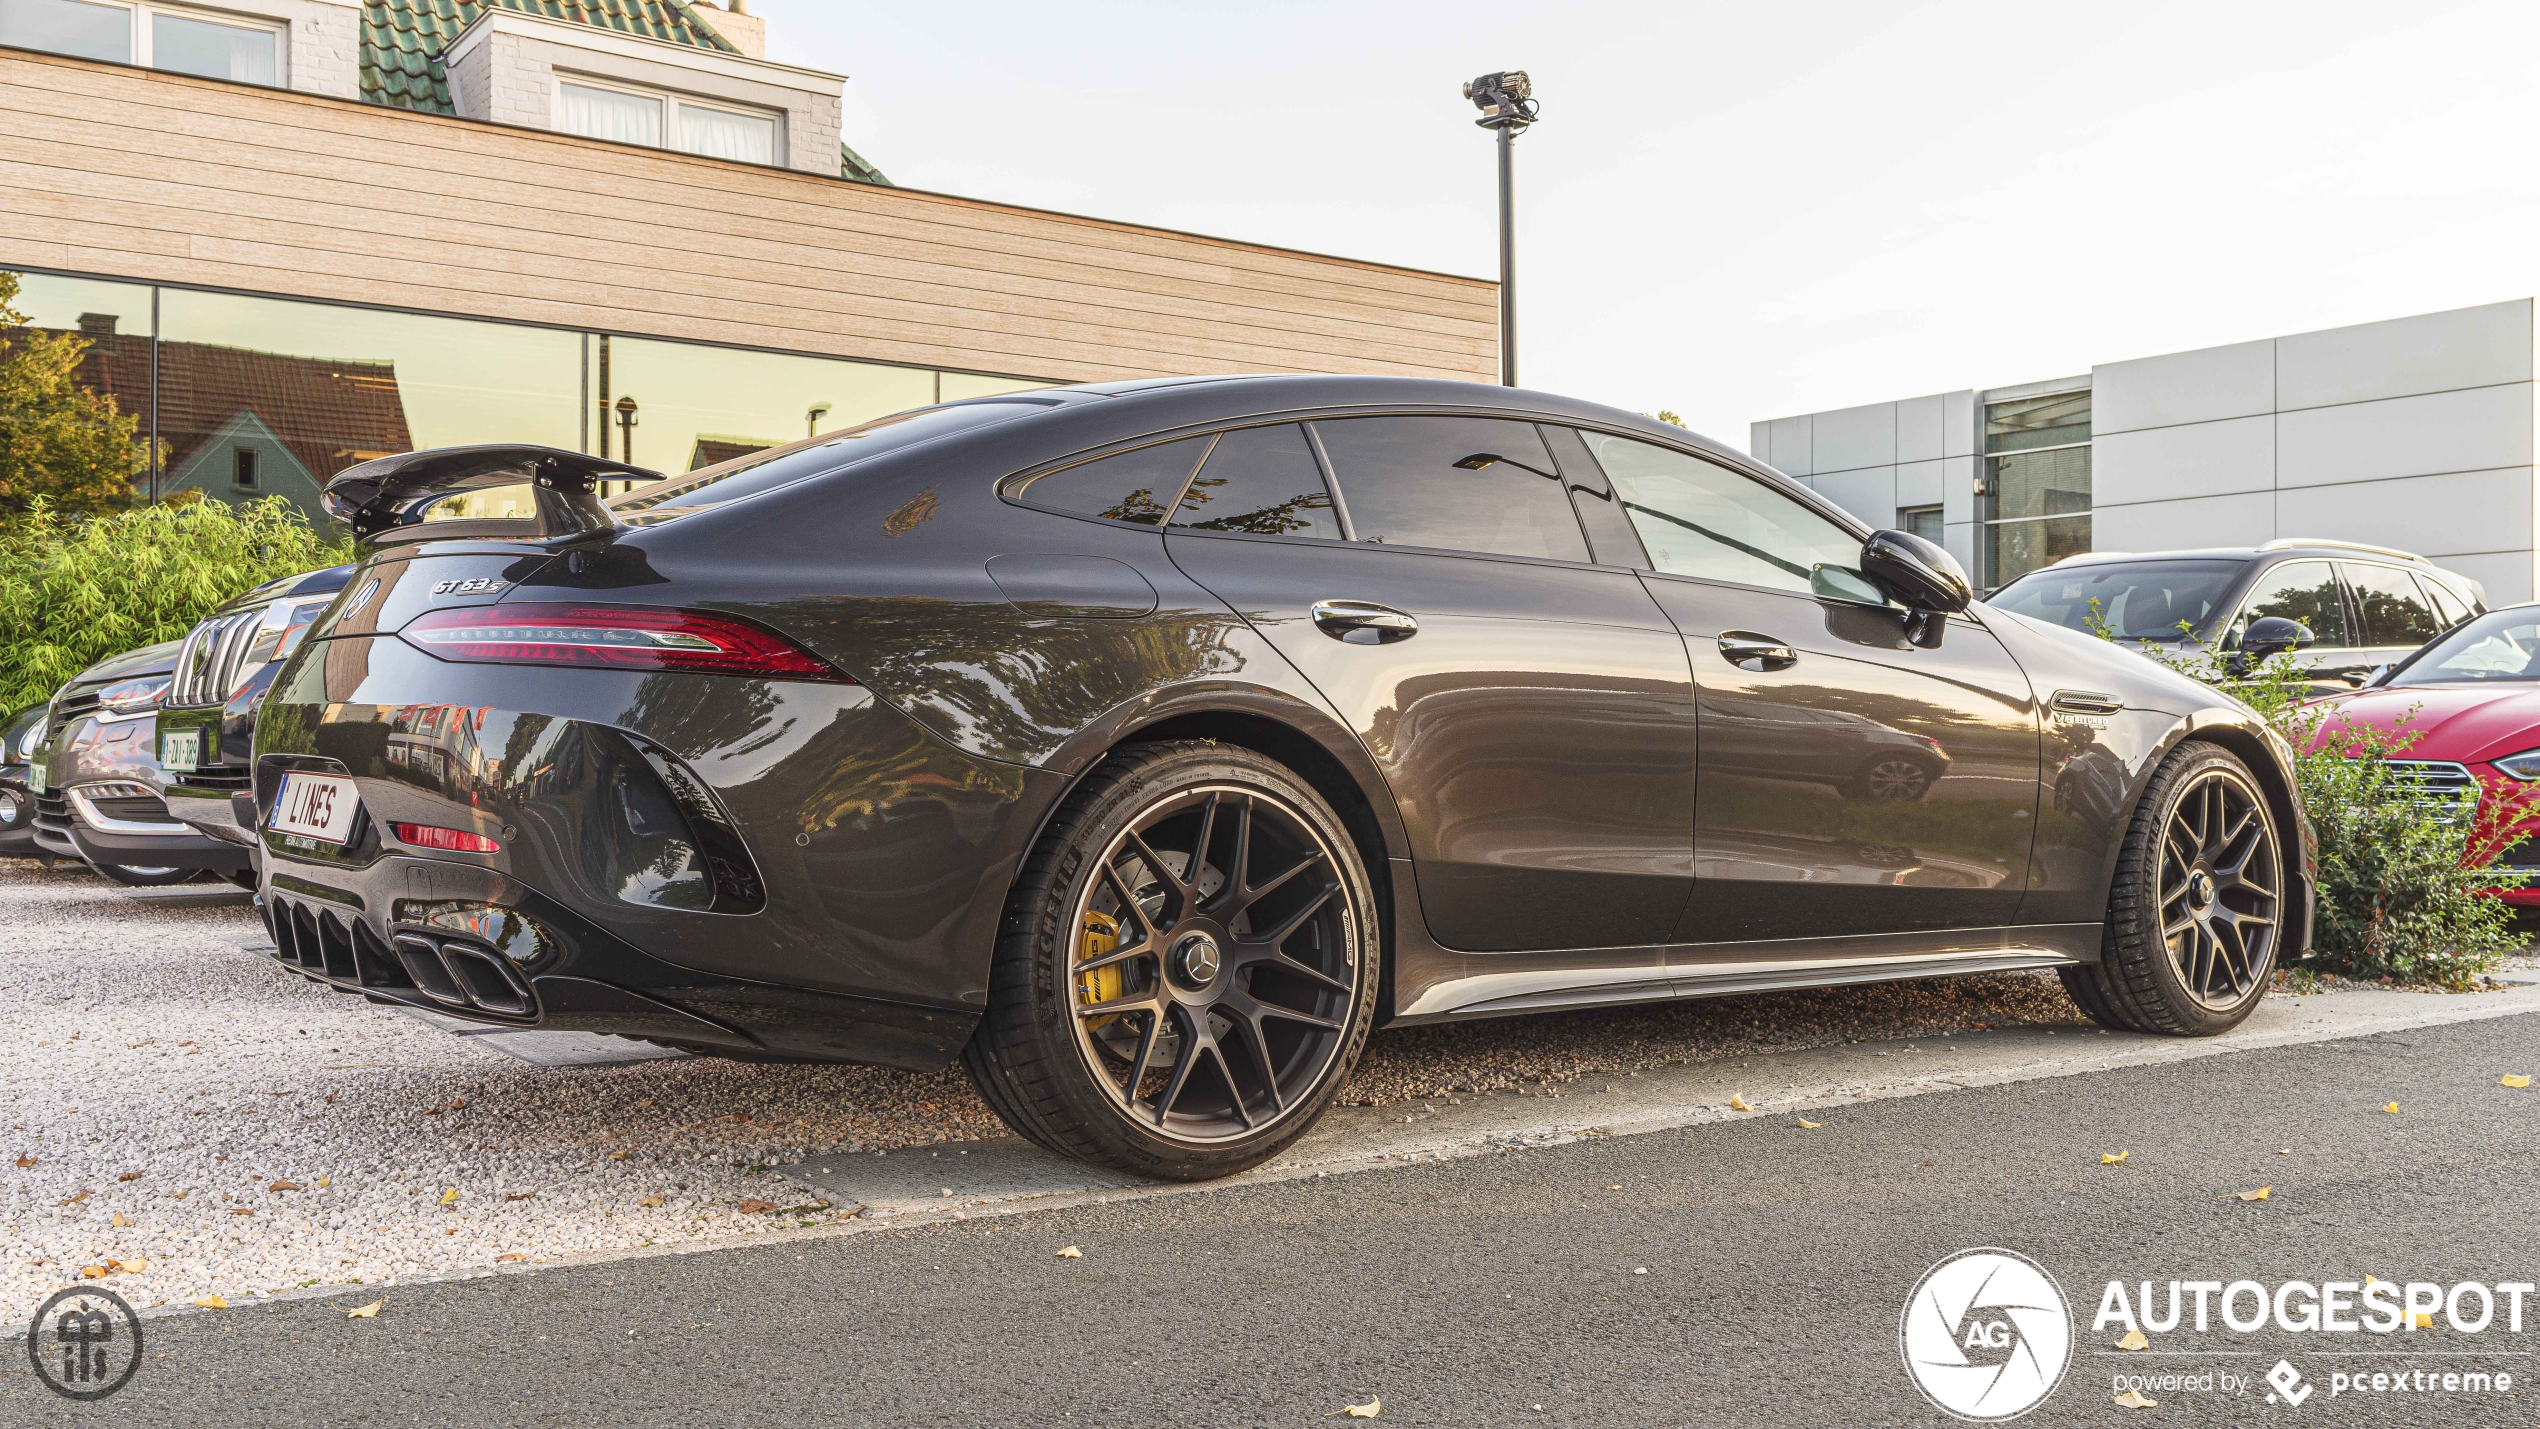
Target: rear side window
(1701, 519)
(2394, 611)
(1136, 486)
(1263, 481)
(2297, 590)
(1459, 483)
(2449, 608)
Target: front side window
(2394, 611)
(596, 113)
(2297, 590)
(212, 50)
(68, 27)
(1137, 486)
(1701, 519)
(1262, 481)
(2128, 600)
(1456, 483)
(722, 134)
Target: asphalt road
(1470, 1292)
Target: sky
(1743, 211)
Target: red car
(2471, 696)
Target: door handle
(1749, 651)
(1363, 622)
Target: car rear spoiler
(383, 500)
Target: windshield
(812, 456)
(2130, 600)
(2504, 645)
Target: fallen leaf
(617, 1156)
(2133, 1399)
(241, 1211)
(751, 1206)
(93, 1272)
(365, 1312)
(1374, 1406)
(134, 1266)
(1736, 1103)
(284, 1186)
(1069, 1252)
(2511, 1080)
(2134, 1340)
(520, 1195)
(2370, 1280)
(25, 1161)
(2116, 1160)
(122, 1220)
(129, 1176)
(2422, 1320)
(75, 1199)
(651, 1203)
(648, 1101)
(450, 1197)
(211, 1302)
(325, 1181)
(2393, 1108)
(1806, 1125)
(2259, 1194)
(456, 1104)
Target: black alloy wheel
(1189, 971)
(143, 875)
(2196, 914)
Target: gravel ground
(177, 1103)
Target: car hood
(2469, 721)
(148, 660)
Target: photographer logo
(1986, 1335)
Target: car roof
(2333, 550)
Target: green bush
(2403, 878)
(75, 591)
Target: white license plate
(181, 751)
(315, 806)
(35, 771)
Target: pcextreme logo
(1986, 1335)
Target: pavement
(1663, 1259)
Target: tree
(58, 440)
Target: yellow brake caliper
(1101, 935)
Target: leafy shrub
(2403, 878)
(73, 592)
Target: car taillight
(453, 840)
(616, 637)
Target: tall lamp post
(812, 416)
(1507, 102)
(626, 428)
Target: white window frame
(141, 11)
(671, 102)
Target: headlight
(2524, 766)
(132, 697)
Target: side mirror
(1849, 587)
(2380, 676)
(2273, 635)
(1915, 573)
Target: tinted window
(1701, 519)
(2132, 600)
(1132, 486)
(816, 456)
(1262, 480)
(2448, 607)
(2297, 590)
(2504, 645)
(1405, 487)
(2394, 611)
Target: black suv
(2362, 606)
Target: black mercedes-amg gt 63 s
(1145, 744)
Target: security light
(1505, 98)
(1507, 101)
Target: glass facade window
(68, 27)
(612, 114)
(2035, 500)
(214, 51)
(1923, 521)
(240, 397)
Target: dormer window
(629, 115)
(159, 36)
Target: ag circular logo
(1986, 1335)
(85, 1342)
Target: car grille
(2525, 853)
(69, 708)
(207, 664)
(227, 778)
(2437, 782)
(326, 943)
(126, 801)
(53, 810)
